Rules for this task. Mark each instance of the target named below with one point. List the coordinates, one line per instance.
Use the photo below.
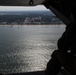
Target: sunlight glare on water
(27, 48)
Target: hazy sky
(16, 8)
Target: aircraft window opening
(27, 43)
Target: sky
(23, 8)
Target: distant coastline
(32, 25)
(28, 18)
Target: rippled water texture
(27, 48)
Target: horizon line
(22, 10)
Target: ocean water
(28, 47)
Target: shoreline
(31, 25)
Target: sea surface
(26, 48)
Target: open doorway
(28, 35)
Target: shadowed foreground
(62, 72)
